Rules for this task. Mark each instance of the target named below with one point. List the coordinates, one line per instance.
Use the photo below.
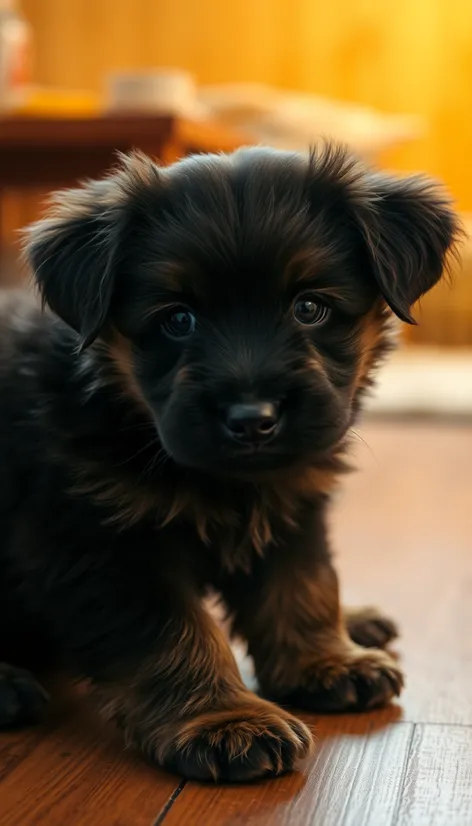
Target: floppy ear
(408, 227)
(75, 251)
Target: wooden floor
(404, 532)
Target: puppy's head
(246, 297)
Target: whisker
(141, 450)
(363, 442)
(154, 463)
(139, 426)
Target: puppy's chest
(235, 533)
(234, 525)
(236, 528)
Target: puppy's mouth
(251, 459)
(239, 462)
(249, 450)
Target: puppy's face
(245, 298)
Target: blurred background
(80, 78)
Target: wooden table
(37, 152)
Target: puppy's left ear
(408, 227)
(75, 252)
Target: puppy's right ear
(75, 250)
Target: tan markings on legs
(188, 709)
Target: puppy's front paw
(239, 745)
(360, 680)
(22, 699)
(369, 627)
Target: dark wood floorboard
(75, 772)
(403, 530)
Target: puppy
(176, 421)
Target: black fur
(123, 499)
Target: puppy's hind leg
(22, 699)
(369, 627)
(23, 649)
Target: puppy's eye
(309, 310)
(179, 323)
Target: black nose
(256, 422)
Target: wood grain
(353, 780)
(438, 783)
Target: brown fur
(120, 353)
(272, 504)
(297, 615)
(376, 338)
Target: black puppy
(176, 420)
